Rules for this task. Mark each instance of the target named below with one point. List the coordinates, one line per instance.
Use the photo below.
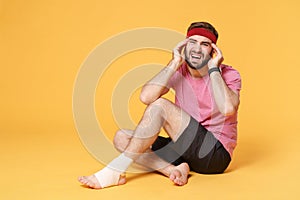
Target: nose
(197, 48)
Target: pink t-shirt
(194, 96)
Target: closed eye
(192, 41)
(205, 44)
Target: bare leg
(161, 113)
(149, 159)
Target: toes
(92, 185)
(82, 179)
(178, 182)
(179, 175)
(87, 181)
(172, 177)
(175, 176)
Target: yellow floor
(43, 45)
(44, 162)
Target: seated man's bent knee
(121, 139)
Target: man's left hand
(217, 58)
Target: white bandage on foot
(110, 175)
(107, 177)
(121, 163)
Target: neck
(198, 73)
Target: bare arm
(157, 86)
(226, 99)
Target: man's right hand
(158, 85)
(178, 55)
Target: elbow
(228, 110)
(230, 106)
(149, 95)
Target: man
(202, 124)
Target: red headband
(203, 32)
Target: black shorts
(196, 146)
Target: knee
(158, 106)
(117, 140)
(121, 140)
(160, 102)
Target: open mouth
(195, 57)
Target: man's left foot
(180, 174)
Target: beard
(197, 66)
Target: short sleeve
(172, 81)
(175, 79)
(232, 78)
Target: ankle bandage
(110, 174)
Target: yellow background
(44, 43)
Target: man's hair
(205, 25)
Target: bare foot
(92, 182)
(180, 174)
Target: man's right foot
(180, 174)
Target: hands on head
(178, 54)
(217, 58)
(215, 61)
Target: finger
(179, 48)
(216, 49)
(182, 43)
(185, 40)
(214, 52)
